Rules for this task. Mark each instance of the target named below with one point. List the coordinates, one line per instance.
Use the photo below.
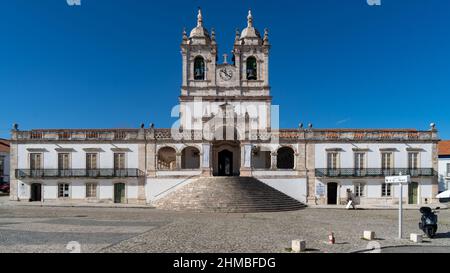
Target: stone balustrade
(312, 135)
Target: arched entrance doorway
(225, 163)
(36, 192)
(226, 158)
(332, 193)
(285, 158)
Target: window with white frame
(119, 161)
(360, 189)
(332, 160)
(91, 190)
(35, 161)
(413, 161)
(386, 161)
(386, 190)
(448, 169)
(360, 161)
(91, 161)
(63, 161)
(63, 190)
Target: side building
(444, 166)
(78, 165)
(4, 161)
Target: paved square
(46, 229)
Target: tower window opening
(199, 69)
(252, 73)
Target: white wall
(295, 188)
(105, 188)
(373, 158)
(157, 188)
(78, 156)
(444, 181)
(373, 189)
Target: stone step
(228, 194)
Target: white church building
(226, 152)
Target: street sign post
(400, 180)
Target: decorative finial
(16, 127)
(250, 18)
(433, 126)
(237, 37)
(266, 34)
(225, 58)
(185, 37)
(199, 18)
(213, 34)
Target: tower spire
(199, 18)
(250, 18)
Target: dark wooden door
(119, 193)
(36, 192)
(332, 193)
(225, 163)
(413, 193)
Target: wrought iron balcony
(79, 173)
(371, 172)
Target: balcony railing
(78, 173)
(350, 172)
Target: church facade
(227, 127)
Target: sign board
(320, 189)
(403, 179)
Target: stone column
(273, 166)
(142, 168)
(178, 161)
(205, 160)
(435, 181)
(151, 159)
(301, 160)
(13, 182)
(246, 160)
(311, 175)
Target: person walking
(350, 199)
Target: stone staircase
(228, 195)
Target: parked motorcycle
(429, 221)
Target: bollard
(369, 235)
(416, 238)
(331, 239)
(298, 246)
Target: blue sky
(117, 63)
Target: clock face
(226, 74)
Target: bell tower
(251, 55)
(241, 84)
(199, 53)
